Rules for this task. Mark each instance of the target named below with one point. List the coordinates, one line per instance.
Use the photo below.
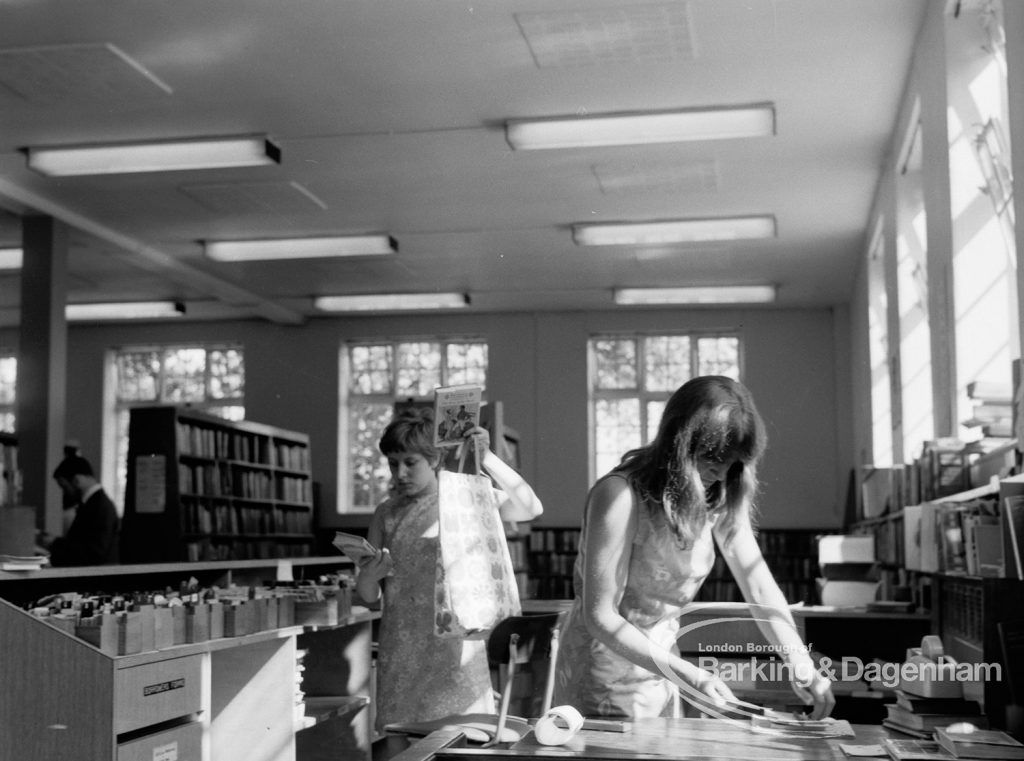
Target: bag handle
(464, 447)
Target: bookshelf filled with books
(790, 553)
(205, 488)
(961, 555)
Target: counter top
(655, 740)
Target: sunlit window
(210, 378)
(878, 333)
(915, 355)
(377, 375)
(981, 187)
(631, 378)
(8, 379)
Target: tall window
(878, 331)
(984, 253)
(8, 378)
(915, 354)
(376, 375)
(205, 377)
(631, 378)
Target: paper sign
(150, 483)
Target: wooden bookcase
(204, 488)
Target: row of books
(291, 456)
(221, 519)
(244, 550)
(554, 540)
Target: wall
(539, 370)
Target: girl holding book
(422, 677)
(647, 544)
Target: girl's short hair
(411, 430)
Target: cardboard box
(163, 628)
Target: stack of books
(920, 717)
(992, 408)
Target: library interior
(659, 360)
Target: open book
(356, 548)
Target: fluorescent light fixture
(725, 294)
(10, 258)
(124, 310)
(755, 120)
(674, 231)
(384, 302)
(300, 248)
(155, 156)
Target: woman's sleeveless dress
(663, 577)
(422, 677)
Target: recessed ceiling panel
(688, 177)
(642, 33)
(96, 74)
(254, 197)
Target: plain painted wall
(795, 362)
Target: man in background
(92, 537)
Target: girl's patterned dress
(421, 677)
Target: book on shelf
(979, 744)
(1013, 535)
(897, 714)
(913, 750)
(456, 411)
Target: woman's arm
(372, 570)
(611, 529)
(770, 611)
(521, 503)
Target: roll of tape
(931, 647)
(558, 726)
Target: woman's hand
(815, 689)
(377, 567)
(713, 691)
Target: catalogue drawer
(156, 692)
(184, 743)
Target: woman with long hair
(647, 544)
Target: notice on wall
(150, 483)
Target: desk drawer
(184, 743)
(155, 692)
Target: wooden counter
(225, 698)
(654, 740)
